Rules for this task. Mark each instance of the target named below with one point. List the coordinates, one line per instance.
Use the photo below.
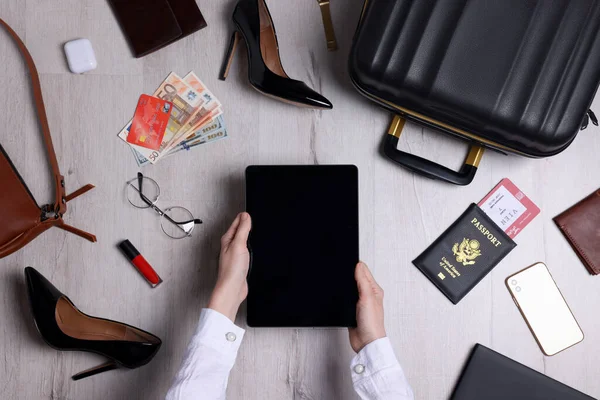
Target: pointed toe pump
(64, 327)
(253, 23)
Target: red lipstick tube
(140, 263)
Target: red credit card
(509, 208)
(149, 122)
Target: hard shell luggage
(513, 75)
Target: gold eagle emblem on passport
(467, 251)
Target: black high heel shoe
(253, 23)
(64, 327)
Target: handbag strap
(43, 119)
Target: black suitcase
(514, 75)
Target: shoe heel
(235, 39)
(107, 366)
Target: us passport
(464, 254)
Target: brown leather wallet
(581, 226)
(152, 25)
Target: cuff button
(359, 368)
(230, 336)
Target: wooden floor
(400, 214)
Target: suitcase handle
(426, 167)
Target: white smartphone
(544, 308)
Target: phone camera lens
(513, 282)
(518, 289)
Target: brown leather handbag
(22, 218)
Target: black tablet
(303, 245)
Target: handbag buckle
(48, 211)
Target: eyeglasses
(176, 222)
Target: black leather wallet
(153, 24)
(464, 254)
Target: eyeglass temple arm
(196, 221)
(178, 224)
(146, 200)
(160, 212)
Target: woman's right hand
(369, 310)
(232, 288)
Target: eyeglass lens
(177, 222)
(149, 193)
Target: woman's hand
(369, 310)
(231, 288)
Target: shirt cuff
(218, 332)
(373, 358)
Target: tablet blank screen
(304, 245)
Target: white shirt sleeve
(208, 359)
(377, 374)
